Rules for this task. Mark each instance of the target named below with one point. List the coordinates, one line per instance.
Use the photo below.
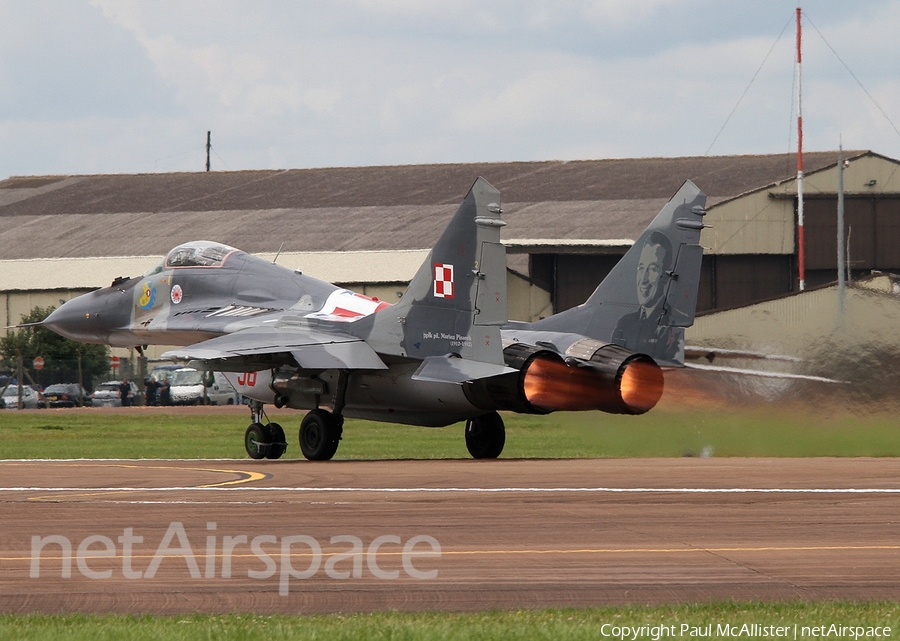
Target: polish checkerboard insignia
(443, 280)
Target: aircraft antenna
(278, 253)
(208, 147)
(801, 254)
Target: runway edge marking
(462, 490)
(527, 551)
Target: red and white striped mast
(801, 254)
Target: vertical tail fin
(651, 294)
(456, 302)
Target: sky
(132, 86)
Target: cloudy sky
(110, 86)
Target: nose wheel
(263, 440)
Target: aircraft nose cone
(74, 320)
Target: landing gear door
(255, 385)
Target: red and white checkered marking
(443, 280)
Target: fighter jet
(444, 353)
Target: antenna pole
(840, 227)
(208, 147)
(801, 253)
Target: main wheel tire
(278, 444)
(485, 436)
(320, 435)
(257, 441)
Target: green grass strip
(660, 433)
(812, 620)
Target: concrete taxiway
(300, 537)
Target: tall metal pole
(840, 228)
(208, 147)
(801, 254)
(20, 379)
(80, 381)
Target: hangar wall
(856, 342)
(753, 223)
(17, 304)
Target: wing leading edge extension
(264, 347)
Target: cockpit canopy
(198, 253)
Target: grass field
(555, 625)
(699, 431)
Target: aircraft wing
(263, 347)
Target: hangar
(369, 228)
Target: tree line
(60, 354)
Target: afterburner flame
(641, 386)
(552, 385)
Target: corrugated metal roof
(93, 272)
(612, 179)
(402, 227)
(354, 209)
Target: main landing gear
(485, 435)
(321, 430)
(320, 435)
(263, 440)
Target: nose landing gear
(263, 440)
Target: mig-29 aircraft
(446, 352)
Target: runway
(463, 535)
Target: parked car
(30, 399)
(66, 395)
(109, 394)
(186, 388)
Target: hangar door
(872, 232)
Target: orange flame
(642, 386)
(552, 385)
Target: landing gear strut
(485, 436)
(320, 430)
(263, 440)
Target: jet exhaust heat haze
(446, 352)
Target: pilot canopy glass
(200, 253)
